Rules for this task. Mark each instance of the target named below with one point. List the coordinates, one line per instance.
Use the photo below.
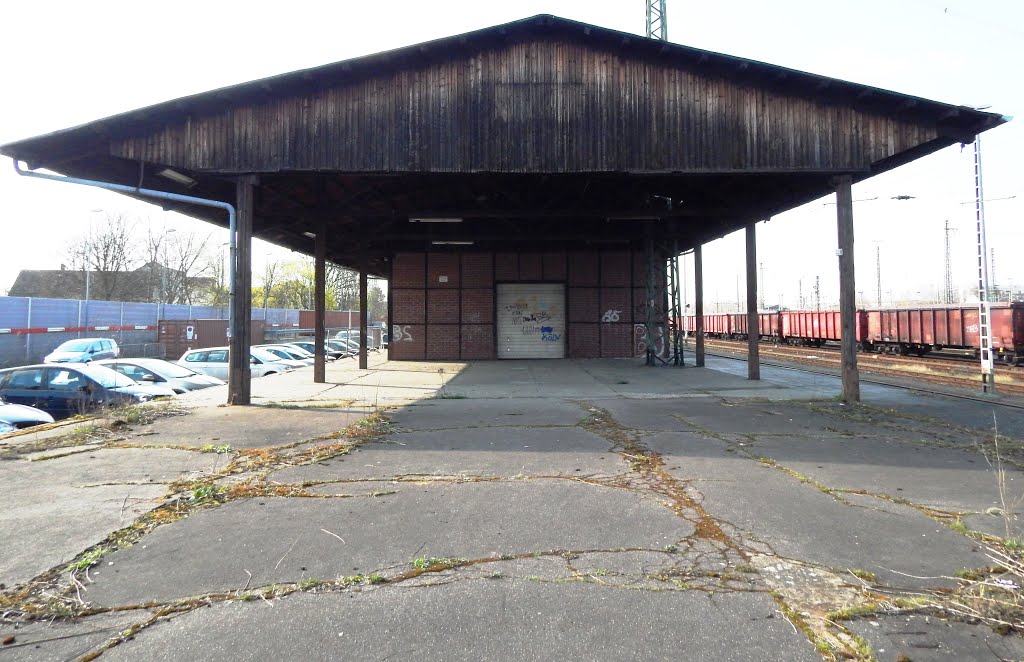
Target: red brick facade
(442, 303)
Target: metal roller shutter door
(531, 321)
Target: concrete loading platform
(518, 510)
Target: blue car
(68, 389)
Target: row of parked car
(87, 373)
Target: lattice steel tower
(657, 21)
(672, 329)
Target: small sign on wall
(442, 279)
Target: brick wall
(443, 303)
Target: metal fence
(31, 328)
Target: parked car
(6, 427)
(65, 390)
(213, 361)
(21, 416)
(288, 354)
(331, 353)
(351, 345)
(344, 348)
(157, 371)
(83, 350)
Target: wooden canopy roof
(539, 133)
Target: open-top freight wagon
(898, 331)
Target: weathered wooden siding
(545, 105)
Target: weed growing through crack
(219, 449)
(866, 575)
(433, 563)
(88, 560)
(206, 494)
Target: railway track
(935, 371)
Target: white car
(288, 352)
(213, 361)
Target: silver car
(156, 371)
(213, 361)
(286, 353)
(83, 350)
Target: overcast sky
(68, 63)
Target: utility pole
(800, 293)
(817, 293)
(761, 292)
(948, 297)
(657, 20)
(878, 270)
(992, 284)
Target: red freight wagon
(1007, 324)
(768, 325)
(921, 330)
(717, 325)
(813, 327)
(738, 324)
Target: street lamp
(87, 266)
(163, 267)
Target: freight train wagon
(922, 330)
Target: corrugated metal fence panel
(531, 321)
(14, 312)
(139, 313)
(54, 312)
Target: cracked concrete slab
(799, 521)
(288, 539)
(944, 478)
(442, 414)
(491, 451)
(247, 427)
(43, 641)
(925, 638)
(482, 620)
(88, 496)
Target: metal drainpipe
(162, 195)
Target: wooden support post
(698, 306)
(753, 351)
(364, 311)
(319, 307)
(847, 288)
(241, 335)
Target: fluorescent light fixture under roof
(176, 176)
(309, 234)
(452, 243)
(421, 219)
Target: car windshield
(74, 346)
(169, 369)
(106, 377)
(264, 355)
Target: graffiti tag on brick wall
(640, 340)
(611, 316)
(400, 333)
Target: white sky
(68, 63)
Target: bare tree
(108, 252)
(344, 283)
(190, 277)
(270, 273)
